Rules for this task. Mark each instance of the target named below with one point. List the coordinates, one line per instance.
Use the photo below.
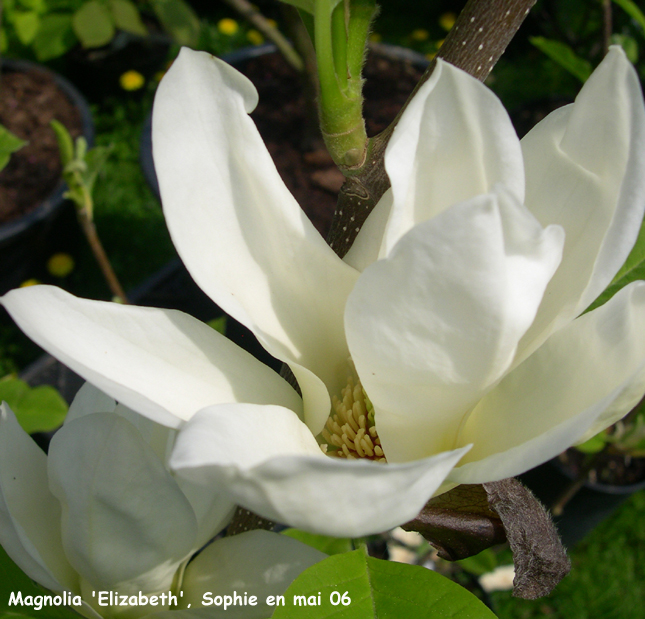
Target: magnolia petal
(586, 376)
(585, 170)
(272, 465)
(89, 400)
(239, 231)
(162, 363)
(118, 501)
(433, 325)
(453, 142)
(29, 513)
(256, 563)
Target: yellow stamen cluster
(350, 431)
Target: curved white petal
(433, 325)
(212, 510)
(256, 563)
(162, 363)
(89, 400)
(237, 228)
(126, 524)
(585, 170)
(586, 376)
(29, 513)
(453, 142)
(270, 464)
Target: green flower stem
(362, 14)
(341, 101)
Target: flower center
(350, 431)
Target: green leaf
(93, 24)
(55, 37)
(629, 45)
(13, 579)
(632, 270)
(219, 324)
(40, 409)
(594, 445)
(9, 143)
(95, 160)
(355, 586)
(328, 545)
(126, 17)
(178, 20)
(65, 143)
(564, 56)
(633, 11)
(484, 562)
(26, 24)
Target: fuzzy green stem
(341, 101)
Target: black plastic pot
(25, 241)
(592, 504)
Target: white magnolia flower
(101, 512)
(454, 308)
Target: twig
(607, 25)
(244, 8)
(475, 43)
(89, 229)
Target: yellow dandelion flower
(431, 55)
(228, 26)
(420, 34)
(132, 80)
(60, 265)
(447, 21)
(30, 282)
(254, 37)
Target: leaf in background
(484, 562)
(93, 24)
(9, 143)
(377, 589)
(65, 142)
(328, 545)
(178, 20)
(633, 11)
(219, 324)
(55, 37)
(40, 409)
(126, 17)
(12, 579)
(594, 445)
(95, 160)
(26, 24)
(564, 56)
(629, 45)
(632, 270)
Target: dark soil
(609, 469)
(28, 103)
(280, 116)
